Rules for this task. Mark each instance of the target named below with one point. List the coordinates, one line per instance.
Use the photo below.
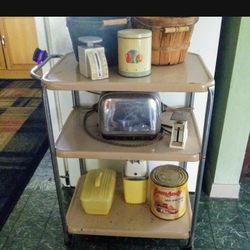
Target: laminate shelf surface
(74, 142)
(189, 76)
(128, 220)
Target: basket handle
(167, 29)
(112, 22)
(176, 29)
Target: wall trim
(225, 191)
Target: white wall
(204, 41)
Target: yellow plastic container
(98, 191)
(135, 191)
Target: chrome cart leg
(76, 103)
(191, 100)
(67, 237)
(83, 169)
(184, 165)
(75, 98)
(207, 123)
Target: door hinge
(3, 40)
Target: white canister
(134, 52)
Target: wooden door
(2, 60)
(20, 42)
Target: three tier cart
(191, 77)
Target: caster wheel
(68, 240)
(187, 248)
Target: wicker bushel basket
(170, 37)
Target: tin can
(134, 52)
(168, 191)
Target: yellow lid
(98, 191)
(134, 33)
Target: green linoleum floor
(35, 222)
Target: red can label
(168, 203)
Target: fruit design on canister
(133, 56)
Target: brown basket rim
(165, 21)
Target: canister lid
(134, 33)
(169, 176)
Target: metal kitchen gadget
(129, 115)
(179, 130)
(92, 60)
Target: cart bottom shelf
(126, 220)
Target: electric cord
(166, 126)
(93, 92)
(165, 131)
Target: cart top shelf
(189, 76)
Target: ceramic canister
(134, 52)
(168, 191)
